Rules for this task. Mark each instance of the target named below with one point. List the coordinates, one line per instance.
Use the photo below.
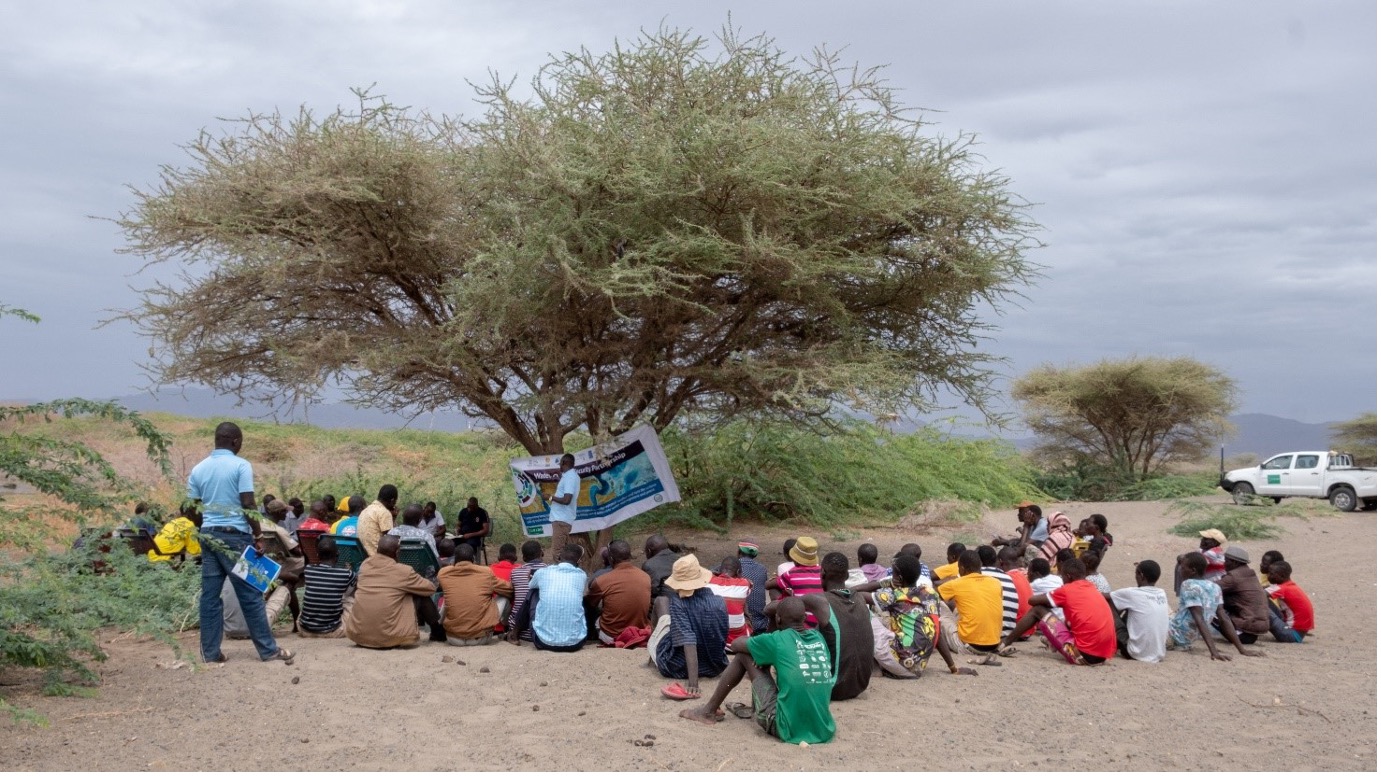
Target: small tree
(1356, 436)
(1132, 415)
(657, 229)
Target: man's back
(1245, 600)
(375, 521)
(218, 481)
(470, 590)
(658, 568)
(1011, 605)
(700, 619)
(1148, 621)
(322, 600)
(559, 620)
(383, 614)
(521, 577)
(626, 592)
(978, 602)
(757, 597)
(804, 680)
(855, 644)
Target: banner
(618, 480)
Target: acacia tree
(1133, 415)
(661, 228)
(1356, 436)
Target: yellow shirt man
(978, 604)
(179, 535)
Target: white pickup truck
(1311, 473)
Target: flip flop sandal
(1007, 651)
(740, 710)
(285, 655)
(676, 692)
(988, 659)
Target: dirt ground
(500, 707)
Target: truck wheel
(1243, 493)
(1275, 499)
(1343, 498)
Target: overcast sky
(1205, 173)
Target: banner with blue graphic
(622, 478)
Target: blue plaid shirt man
(700, 619)
(560, 617)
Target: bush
(777, 471)
(1237, 523)
(1087, 481)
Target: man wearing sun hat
(1211, 543)
(692, 626)
(1246, 604)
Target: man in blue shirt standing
(562, 513)
(223, 483)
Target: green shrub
(1236, 522)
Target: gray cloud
(1205, 173)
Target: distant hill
(1256, 433)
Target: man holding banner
(562, 513)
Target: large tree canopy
(671, 225)
(1356, 436)
(1133, 415)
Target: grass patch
(1241, 522)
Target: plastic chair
(419, 555)
(348, 551)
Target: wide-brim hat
(805, 551)
(687, 576)
(1215, 535)
(1237, 554)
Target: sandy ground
(500, 707)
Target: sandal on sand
(988, 659)
(283, 654)
(677, 692)
(740, 710)
(1007, 651)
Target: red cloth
(1023, 587)
(1088, 616)
(503, 570)
(632, 637)
(734, 591)
(313, 524)
(1299, 604)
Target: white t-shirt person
(568, 486)
(1148, 621)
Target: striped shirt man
(1011, 603)
(522, 575)
(322, 603)
(734, 591)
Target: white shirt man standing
(562, 514)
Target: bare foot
(699, 714)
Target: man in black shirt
(851, 645)
(472, 524)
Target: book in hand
(258, 570)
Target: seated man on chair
(476, 600)
(412, 527)
(390, 599)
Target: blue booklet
(259, 571)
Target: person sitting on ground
(554, 609)
(1032, 531)
(1143, 619)
(907, 629)
(942, 574)
(179, 536)
(1092, 560)
(435, 522)
(659, 560)
(1086, 636)
(1268, 558)
(1011, 561)
(795, 706)
(605, 564)
(688, 639)
(621, 597)
(1210, 546)
(1292, 613)
(324, 599)
(349, 524)
(730, 584)
(508, 560)
(476, 600)
(316, 519)
(1044, 581)
(446, 552)
(914, 550)
(1063, 556)
(521, 576)
(1199, 601)
(786, 565)
(390, 600)
(845, 623)
(977, 599)
(1060, 538)
(1243, 597)
(412, 527)
(233, 618)
(1099, 540)
(803, 578)
(868, 563)
(758, 574)
(1011, 605)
